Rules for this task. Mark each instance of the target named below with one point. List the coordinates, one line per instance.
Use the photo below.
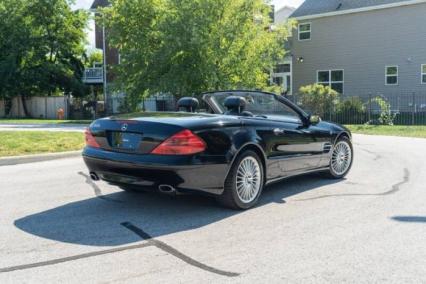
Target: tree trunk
(24, 105)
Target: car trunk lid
(140, 133)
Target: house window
(305, 31)
(424, 74)
(391, 75)
(332, 78)
(282, 68)
(279, 81)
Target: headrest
(188, 103)
(235, 103)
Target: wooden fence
(38, 107)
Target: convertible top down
(242, 142)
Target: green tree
(41, 48)
(186, 47)
(319, 99)
(94, 57)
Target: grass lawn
(396, 130)
(42, 121)
(17, 143)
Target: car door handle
(279, 131)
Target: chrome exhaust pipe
(166, 189)
(94, 176)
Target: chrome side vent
(327, 147)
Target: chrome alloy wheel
(341, 158)
(248, 179)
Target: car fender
(340, 134)
(242, 142)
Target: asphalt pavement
(56, 225)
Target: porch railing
(93, 75)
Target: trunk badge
(124, 127)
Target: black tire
(331, 173)
(230, 197)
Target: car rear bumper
(182, 173)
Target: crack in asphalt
(72, 258)
(395, 188)
(377, 156)
(97, 190)
(150, 242)
(363, 144)
(352, 183)
(168, 249)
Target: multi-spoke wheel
(248, 179)
(341, 158)
(244, 183)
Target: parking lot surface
(57, 225)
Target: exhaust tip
(94, 176)
(167, 189)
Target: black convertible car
(243, 141)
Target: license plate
(125, 141)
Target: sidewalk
(43, 127)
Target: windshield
(262, 104)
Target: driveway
(43, 127)
(58, 226)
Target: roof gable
(314, 7)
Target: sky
(85, 4)
(292, 3)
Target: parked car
(245, 141)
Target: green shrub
(386, 116)
(319, 99)
(351, 111)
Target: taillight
(90, 139)
(182, 143)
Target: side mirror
(314, 119)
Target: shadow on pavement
(410, 219)
(96, 222)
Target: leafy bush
(319, 99)
(351, 111)
(134, 103)
(386, 116)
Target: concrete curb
(10, 161)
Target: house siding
(362, 44)
(282, 14)
(111, 53)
